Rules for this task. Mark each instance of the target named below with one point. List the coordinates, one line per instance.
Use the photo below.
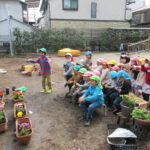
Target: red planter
(23, 139)
(17, 92)
(18, 100)
(142, 122)
(15, 109)
(3, 126)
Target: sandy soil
(55, 121)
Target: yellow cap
(142, 59)
(112, 62)
(19, 114)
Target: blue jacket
(94, 93)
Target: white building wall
(106, 10)
(47, 18)
(4, 27)
(14, 7)
(41, 23)
(21, 26)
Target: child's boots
(43, 90)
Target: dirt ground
(56, 124)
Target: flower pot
(3, 125)
(17, 96)
(126, 111)
(15, 109)
(26, 138)
(142, 122)
(142, 103)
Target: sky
(34, 14)
(147, 2)
(139, 4)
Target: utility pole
(49, 17)
(127, 3)
(10, 35)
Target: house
(15, 8)
(83, 15)
(33, 11)
(133, 5)
(141, 17)
(13, 14)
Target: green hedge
(111, 39)
(56, 39)
(50, 39)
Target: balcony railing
(139, 46)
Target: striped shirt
(44, 64)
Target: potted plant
(127, 105)
(142, 104)
(141, 116)
(24, 130)
(17, 96)
(3, 122)
(1, 96)
(20, 110)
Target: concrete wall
(4, 28)
(89, 28)
(14, 7)
(87, 24)
(106, 10)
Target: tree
(111, 39)
(50, 39)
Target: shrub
(50, 39)
(111, 39)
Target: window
(70, 4)
(93, 10)
(24, 12)
(137, 19)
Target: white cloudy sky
(147, 2)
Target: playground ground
(55, 120)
